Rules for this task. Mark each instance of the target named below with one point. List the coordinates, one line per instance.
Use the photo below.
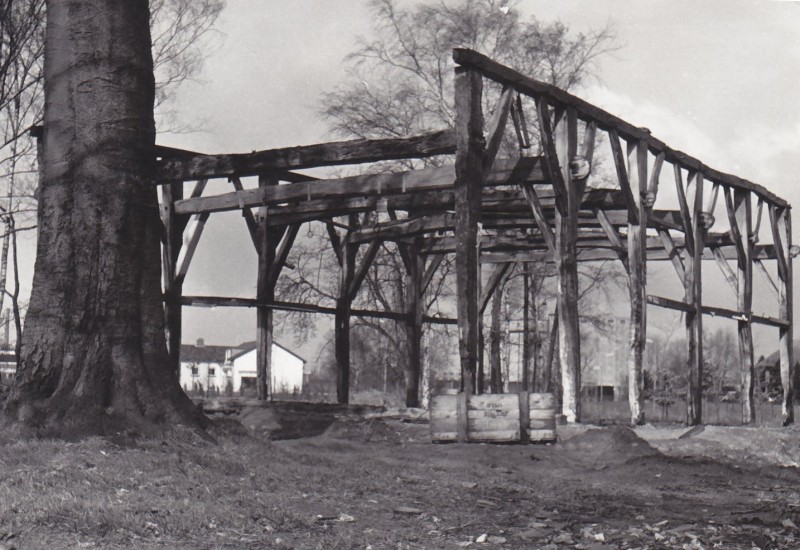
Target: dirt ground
(289, 478)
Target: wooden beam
(740, 217)
(538, 215)
(342, 317)
(191, 238)
(714, 311)
(414, 310)
(469, 180)
(430, 270)
(771, 282)
(497, 127)
(726, 270)
(613, 236)
(637, 278)
(566, 237)
(247, 214)
(551, 164)
(495, 279)
(623, 177)
(655, 176)
(504, 172)
(282, 252)
(605, 120)
(363, 269)
(694, 320)
(307, 156)
(173, 287)
(686, 217)
(781, 222)
(265, 293)
(673, 254)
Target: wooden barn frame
(528, 209)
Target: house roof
(247, 347)
(774, 359)
(203, 354)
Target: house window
(211, 371)
(194, 370)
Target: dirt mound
(278, 423)
(359, 429)
(602, 447)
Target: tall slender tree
(94, 357)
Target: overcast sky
(716, 79)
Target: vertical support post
(495, 341)
(526, 327)
(782, 235)
(414, 306)
(342, 317)
(566, 221)
(173, 288)
(265, 294)
(470, 146)
(694, 317)
(637, 279)
(742, 214)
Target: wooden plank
(363, 269)
(504, 436)
(468, 183)
(524, 415)
(282, 252)
(652, 187)
(191, 238)
(342, 317)
(173, 287)
(605, 120)
(265, 293)
(542, 401)
(336, 242)
(307, 156)
(504, 404)
(613, 236)
(542, 436)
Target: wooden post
(637, 279)
(173, 288)
(742, 221)
(265, 294)
(569, 343)
(342, 316)
(781, 222)
(694, 317)
(470, 145)
(526, 327)
(414, 307)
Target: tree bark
(94, 357)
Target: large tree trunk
(94, 357)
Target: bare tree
(179, 31)
(401, 83)
(94, 357)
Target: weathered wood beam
(566, 238)
(497, 127)
(694, 320)
(363, 269)
(771, 282)
(414, 307)
(781, 223)
(342, 317)
(247, 214)
(726, 270)
(605, 120)
(637, 279)
(191, 238)
(673, 254)
(538, 215)
(268, 240)
(623, 177)
(308, 156)
(495, 279)
(714, 311)
(470, 145)
(613, 236)
(173, 287)
(400, 229)
(686, 217)
(282, 252)
(504, 172)
(551, 161)
(655, 176)
(740, 217)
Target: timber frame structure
(495, 212)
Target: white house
(287, 369)
(203, 367)
(8, 366)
